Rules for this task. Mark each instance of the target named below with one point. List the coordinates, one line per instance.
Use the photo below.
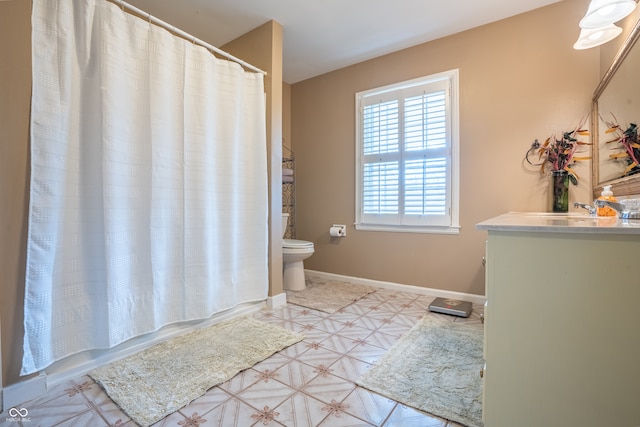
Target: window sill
(453, 229)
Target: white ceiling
(325, 35)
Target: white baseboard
(277, 301)
(16, 394)
(473, 298)
(77, 365)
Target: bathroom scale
(451, 306)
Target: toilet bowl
(294, 252)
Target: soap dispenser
(606, 194)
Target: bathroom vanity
(562, 321)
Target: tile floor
(311, 383)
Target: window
(407, 156)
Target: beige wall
(520, 79)
(262, 47)
(286, 117)
(15, 91)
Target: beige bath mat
(158, 381)
(435, 367)
(328, 296)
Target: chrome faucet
(591, 209)
(621, 208)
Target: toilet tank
(285, 221)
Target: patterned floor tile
(404, 416)
(357, 309)
(416, 309)
(328, 388)
(266, 393)
(406, 295)
(308, 315)
(355, 334)
(310, 331)
(369, 406)
(283, 313)
(266, 416)
(382, 340)
(329, 325)
(423, 301)
(296, 374)
(109, 411)
(239, 382)
(373, 321)
(231, 413)
(317, 354)
(342, 344)
(301, 410)
(344, 316)
(383, 309)
(273, 363)
(366, 352)
(338, 417)
(408, 320)
(396, 327)
(178, 419)
(374, 306)
(378, 294)
(207, 402)
(295, 350)
(349, 368)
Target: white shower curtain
(148, 182)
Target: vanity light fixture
(593, 37)
(604, 12)
(597, 27)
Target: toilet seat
(296, 244)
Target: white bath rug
(158, 381)
(435, 367)
(329, 296)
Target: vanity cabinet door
(562, 337)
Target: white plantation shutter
(405, 146)
(381, 189)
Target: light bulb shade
(605, 12)
(593, 37)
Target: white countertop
(560, 223)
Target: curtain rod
(185, 35)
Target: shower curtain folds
(148, 201)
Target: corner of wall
(262, 47)
(277, 301)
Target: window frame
(400, 224)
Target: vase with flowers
(558, 155)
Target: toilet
(294, 252)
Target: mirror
(616, 100)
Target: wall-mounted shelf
(289, 191)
